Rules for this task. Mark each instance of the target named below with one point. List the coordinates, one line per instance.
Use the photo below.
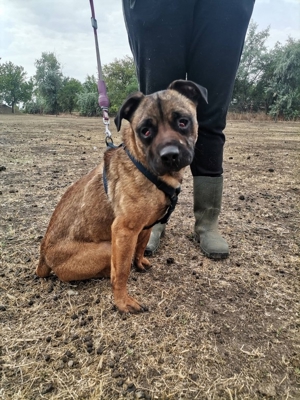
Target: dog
(102, 223)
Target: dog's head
(164, 125)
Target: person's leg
(158, 36)
(216, 45)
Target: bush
(88, 104)
(35, 106)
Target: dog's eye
(183, 122)
(145, 132)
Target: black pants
(199, 40)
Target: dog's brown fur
(93, 234)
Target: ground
(215, 329)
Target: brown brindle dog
(96, 234)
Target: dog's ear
(128, 108)
(189, 89)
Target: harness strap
(169, 191)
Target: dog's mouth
(170, 158)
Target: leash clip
(107, 131)
(106, 122)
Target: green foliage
(67, 96)
(87, 100)
(90, 84)
(49, 80)
(88, 104)
(268, 79)
(120, 79)
(35, 106)
(14, 86)
(284, 84)
(247, 90)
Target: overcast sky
(29, 27)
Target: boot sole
(215, 256)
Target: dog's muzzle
(171, 157)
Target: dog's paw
(142, 265)
(129, 305)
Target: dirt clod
(116, 374)
(194, 377)
(48, 388)
(170, 260)
(131, 387)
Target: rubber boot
(157, 232)
(207, 206)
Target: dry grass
(215, 330)
(249, 116)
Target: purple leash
(103, 100)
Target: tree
(14, 86)
(68, 94)
(284, 84)
(247, 92)
(120, 79)
(49, 81)
(90, 84)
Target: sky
(30, 27)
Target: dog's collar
(169, 191)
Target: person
(199, 40)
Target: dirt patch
(214, 330)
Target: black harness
(168, 190)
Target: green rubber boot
(207, 206)
(157, 232)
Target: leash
(168, 190)
(103, 100)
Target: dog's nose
(169, 154)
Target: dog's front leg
(124, 239)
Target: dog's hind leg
(73, 261)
